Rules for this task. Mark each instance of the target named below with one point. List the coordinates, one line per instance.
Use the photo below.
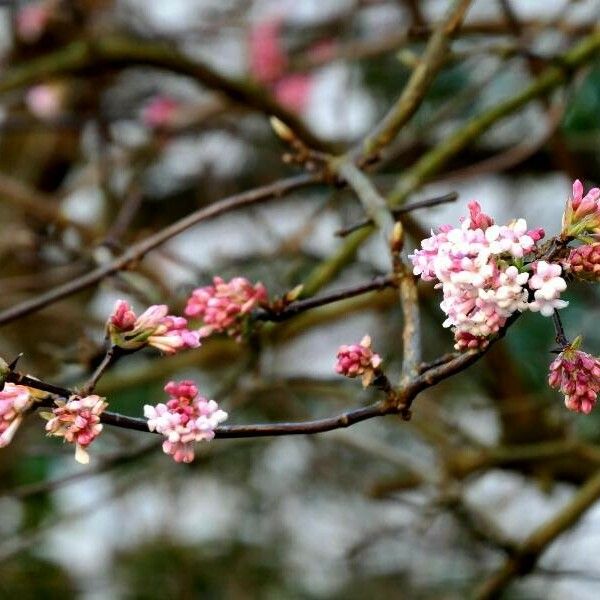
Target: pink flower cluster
(223, 305)
(358, 360)
(584, 262)
(577, 375)
(154, 327)
(14, 401)
(186, 418)
(581, 218)
(479, 267)
(78, 421)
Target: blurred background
(98, 155)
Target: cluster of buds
(77, 421)
(15, 400)
(581, 219)
(358, 360)
(185, 419)
(584, 262)
(223, 305)
(548, 285)
(577, 375)
(154, 327)
(480, 268)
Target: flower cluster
(479, 267)
(222, 306)
(358, 360)
(14, 401)
(186, 418)
(577, 375)
(581, 219)
(584, 262)
(548, 285)
(78, 422)
(154, 327)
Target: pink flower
(268, 59)
(293, 91)
(45, 100)
(78, 422)
(549, 284)
(185, 419)
(581, 218)
(577, 375)
(154, 327)
(479, 268)
(160, 111)
(31, 20)
(358, 359)
(15, 400)
(223, 305)
(584, 262)
(477, 218)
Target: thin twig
(398, 212)
(300, 306)
(137, 251)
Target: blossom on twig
(223, 305)
(186, 418)
(584, 262)
(577, 375)
(77, 421)
(581, 218)
(15, 400)
(358, 360)
(479, 267)
(548, 285)
(154, 327)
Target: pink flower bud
(31, 20)
(581, 218)
(358, 360)
(577, 375)
(477, 218)
(78, 422)
(186, 418)
(584, 262)
(293, 91)
(223, 306)
(268, 59)
(15, 400)
(154, 327)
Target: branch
(139, 250)
(300, 306)
(435, 159)
(548, 80)
(398, 212)
(413, 93)
(116, 52)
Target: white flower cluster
(482, 286)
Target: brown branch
(137, 251)
(418, 84)
(109, 52)
(398, 212)
(300, 306)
